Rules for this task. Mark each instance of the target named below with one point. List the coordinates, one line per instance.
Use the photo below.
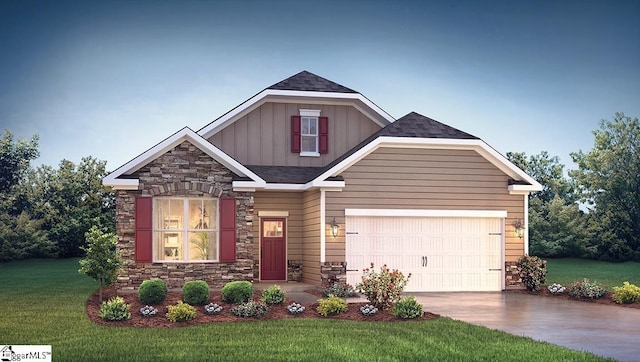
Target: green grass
(43, 302)
(567, 271)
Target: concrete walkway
(608, 331)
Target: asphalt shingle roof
(289, 174)
(307, 81)
(417, 125)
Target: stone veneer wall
(185, 171)
(294, 270)
(512, 279)
(333, 272)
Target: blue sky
(112, 78)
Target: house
(310, 181)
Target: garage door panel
(459, 252)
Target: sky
(110, 79)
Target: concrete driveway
(608, 331)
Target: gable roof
(306, 88)
(417, 125)
(118, 179)
(309, 82)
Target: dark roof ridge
(307, 81)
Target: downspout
(323, 231)
(526, 224)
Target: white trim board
(185, 134)
(426, 213)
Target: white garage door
(442, 254)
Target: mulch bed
(605, 299)
(275, 312)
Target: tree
(556, 224)
(102, 261)
(608, 179)
(14, 160)
(70, 200)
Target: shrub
(195, 292)
(115, 309)
(331, 306)
(626, 294)
(273, 295)
(212, 309)
(181, 312)
(586, 289)
(250, 308)
(295, 308)
(152, 291)
(408, 308)
(237, 292)
(148, 311)
(341, 290)
(368, 310)
(384, 288)
(533, 271)
(556, 289)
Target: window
(309, 136)
(309, 133)
(185, 229)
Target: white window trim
(311, 113)
(185, 230)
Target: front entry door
(273, 251)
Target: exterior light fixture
(334, 227)
(518, 228)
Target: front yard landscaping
(44, 302)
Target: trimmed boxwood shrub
(195, 292)
(152, 291)
(237, 292)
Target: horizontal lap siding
(281, 201)
(263, 136)
(311, 237)
(403, 178)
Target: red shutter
(144, 229)
(295, 134)
(227, 229)
(323, 128)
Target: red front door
(273, 251)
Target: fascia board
(172, 141)
(426, 213)
(434, 143)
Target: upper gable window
(309, 133)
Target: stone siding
(512, 279)
(333, 272)
(184, 171)
(294, 270)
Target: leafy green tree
(15, 157)
(102, 261)
(70, 200)
(608, 179)
(556, 224)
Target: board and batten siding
(405, 178)
(263, 136)
(311, 237)
(290, 202)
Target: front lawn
(43, 302)
(567, 271)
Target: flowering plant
(212, 308)
(384, 288)
(556, 289)
(533, 272)
(148, 311)
(368, 310)
(295, 308)
(587, 289)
